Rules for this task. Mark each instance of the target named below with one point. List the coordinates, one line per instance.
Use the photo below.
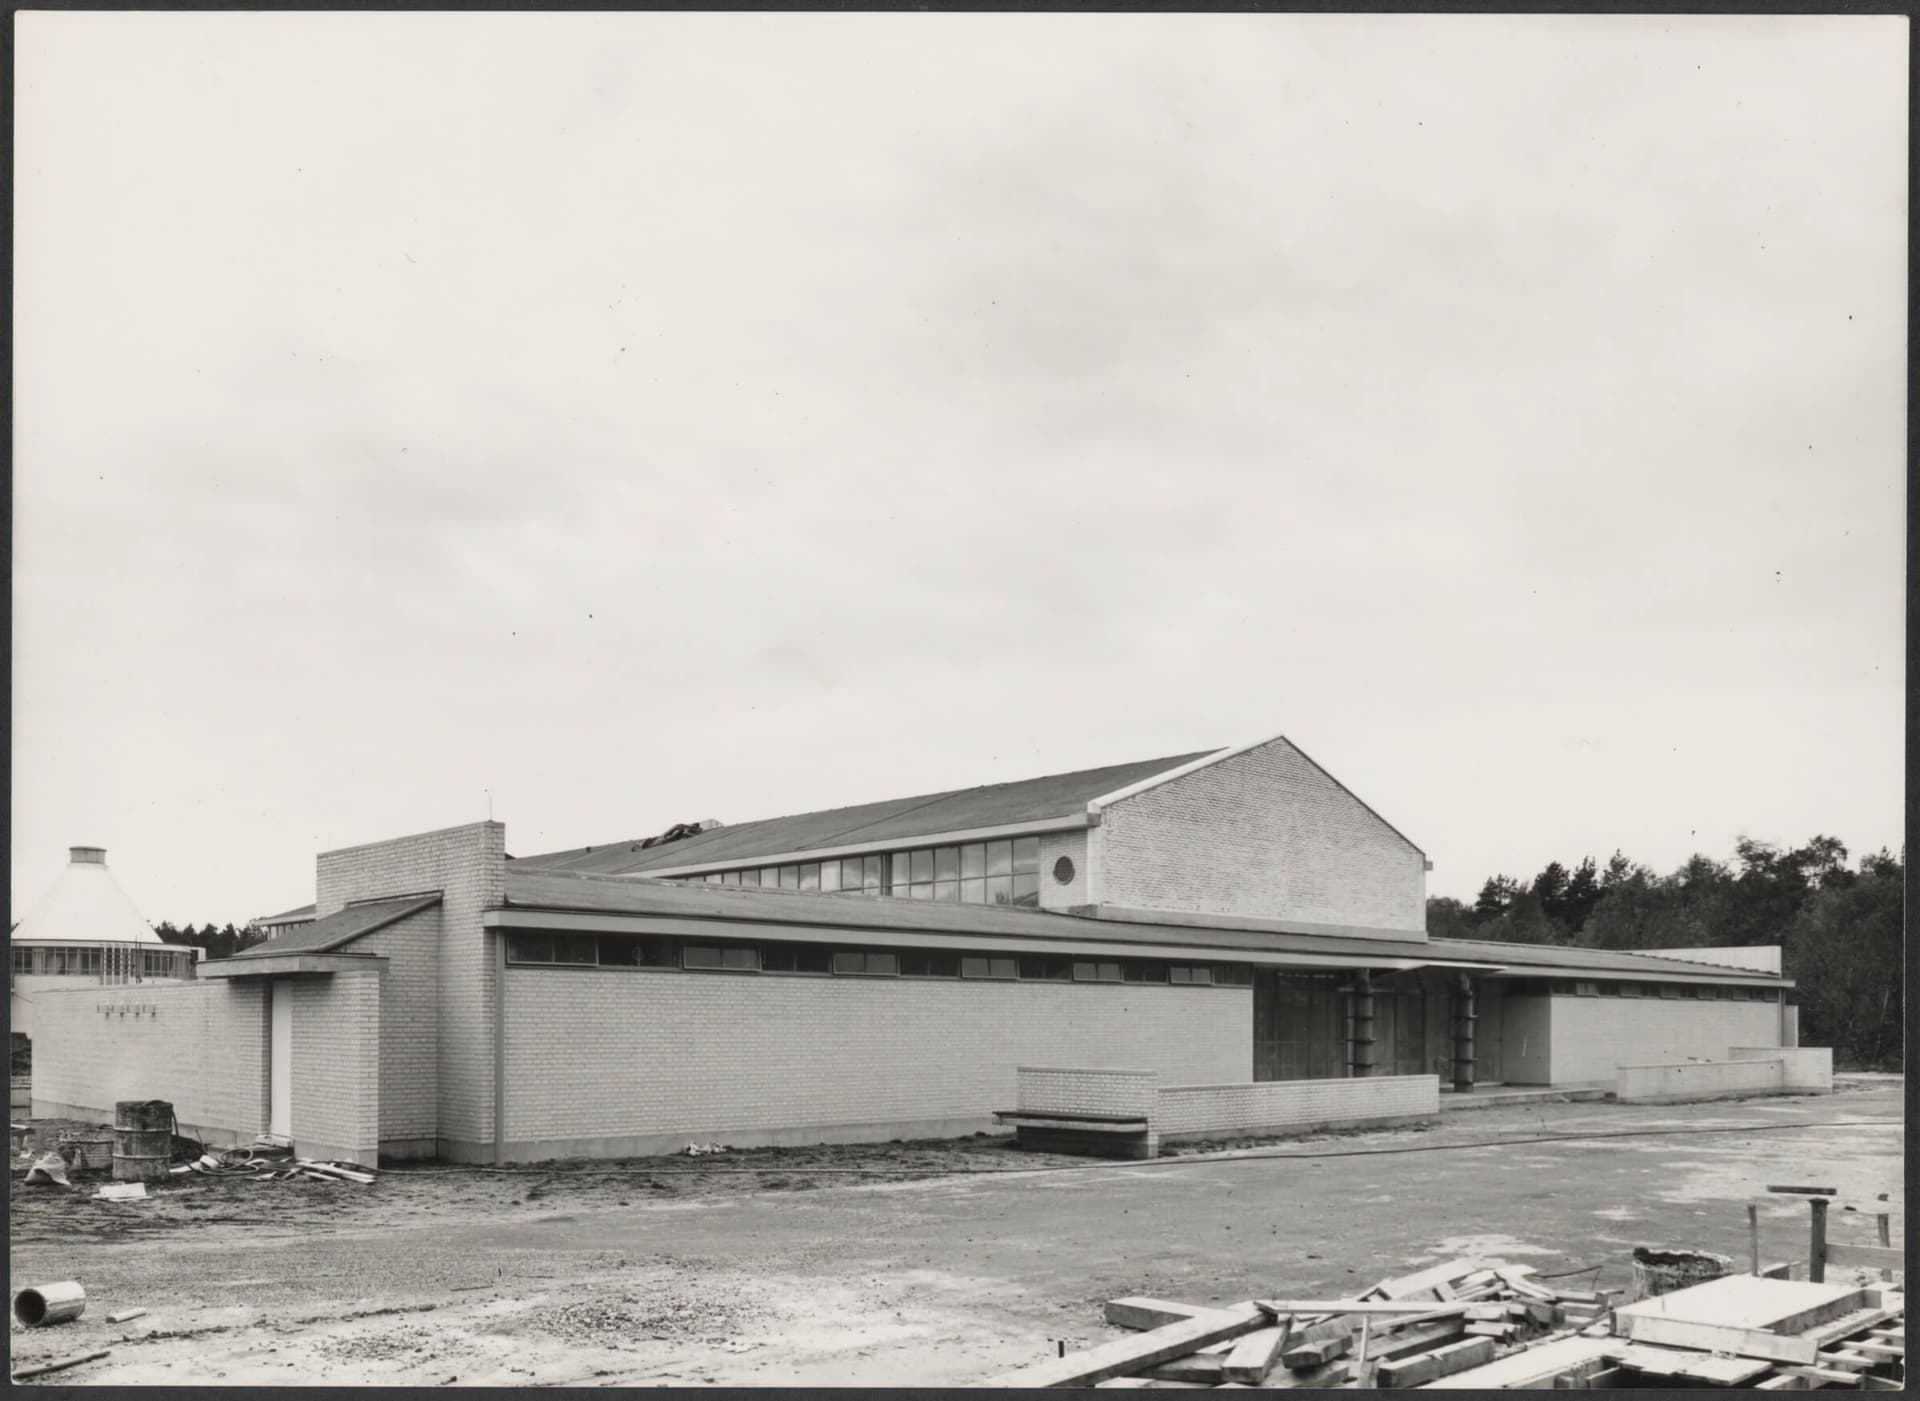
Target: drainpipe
(1464, 1017)
(1360, 1039)
(499, 1046)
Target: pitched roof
(342, 927)
(895, 819)
(882, 916)
(292, 916)
(85, 906)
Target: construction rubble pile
(270, 1161)
(1490, 1326)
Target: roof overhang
(293, 965)
(586, 922)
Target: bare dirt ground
(911, 1264)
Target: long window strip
(657, 953)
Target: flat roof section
(786, 914)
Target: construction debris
(126, 1315)
(251, 1163)
(122, 1192)
(1479, 1325)
(698, 1150)
(49, 1167)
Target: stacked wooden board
(1471, 1324)
(1402, 1332)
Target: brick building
(1221, 919)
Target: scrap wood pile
(270, 1161)
(1471, 1324)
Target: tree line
(1839, 927)
(219, 943)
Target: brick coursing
(1118, 1093)
(203, 1048)
(336, 1064)
(409, 1026)
(1263, 833)
(595, 1054)
(1188, 1110)
(468, 866)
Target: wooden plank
(1872, 1383)
(1682, 1362)
(1194, 1367)
(1137, 1311)
(1126, 1355)
(1717, 1337)
(1254, 1355)
(1363, 1306)
(1743, 1301)
(1872, 1257)
(1531, 1367)
(1823, 1374)
(1783, 1382)
(1884, 1352)
(1421, 1281)
(1441, 1362)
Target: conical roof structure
(85, 906)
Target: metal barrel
(49, 1303)
(142, 1139)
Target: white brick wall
(409, 1029)
(1264, 833)
(202, 1048)
(1592, 1036)
(607, 1053)
(336, 1065)
(1118, 1093)
(468, 866)
(1278, 1105)
(1654, 1084)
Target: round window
(1063, 870)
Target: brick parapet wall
(202, 1048)
(1263, 833)
(336, 1065)
(1654, 1084)
(468, 866)
(1112, 1093)
(607, 1054)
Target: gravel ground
(935, 1265)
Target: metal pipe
(49, 1303)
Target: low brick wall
(1802, 1067)
(1175, 1112)
(1117, 1094)
(1292, 1106)
(1661, 1084)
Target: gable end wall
(1263, 833)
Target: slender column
(1464, 1017)
(1360, 1037)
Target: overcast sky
(631, 419)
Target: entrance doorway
(280, 1058)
